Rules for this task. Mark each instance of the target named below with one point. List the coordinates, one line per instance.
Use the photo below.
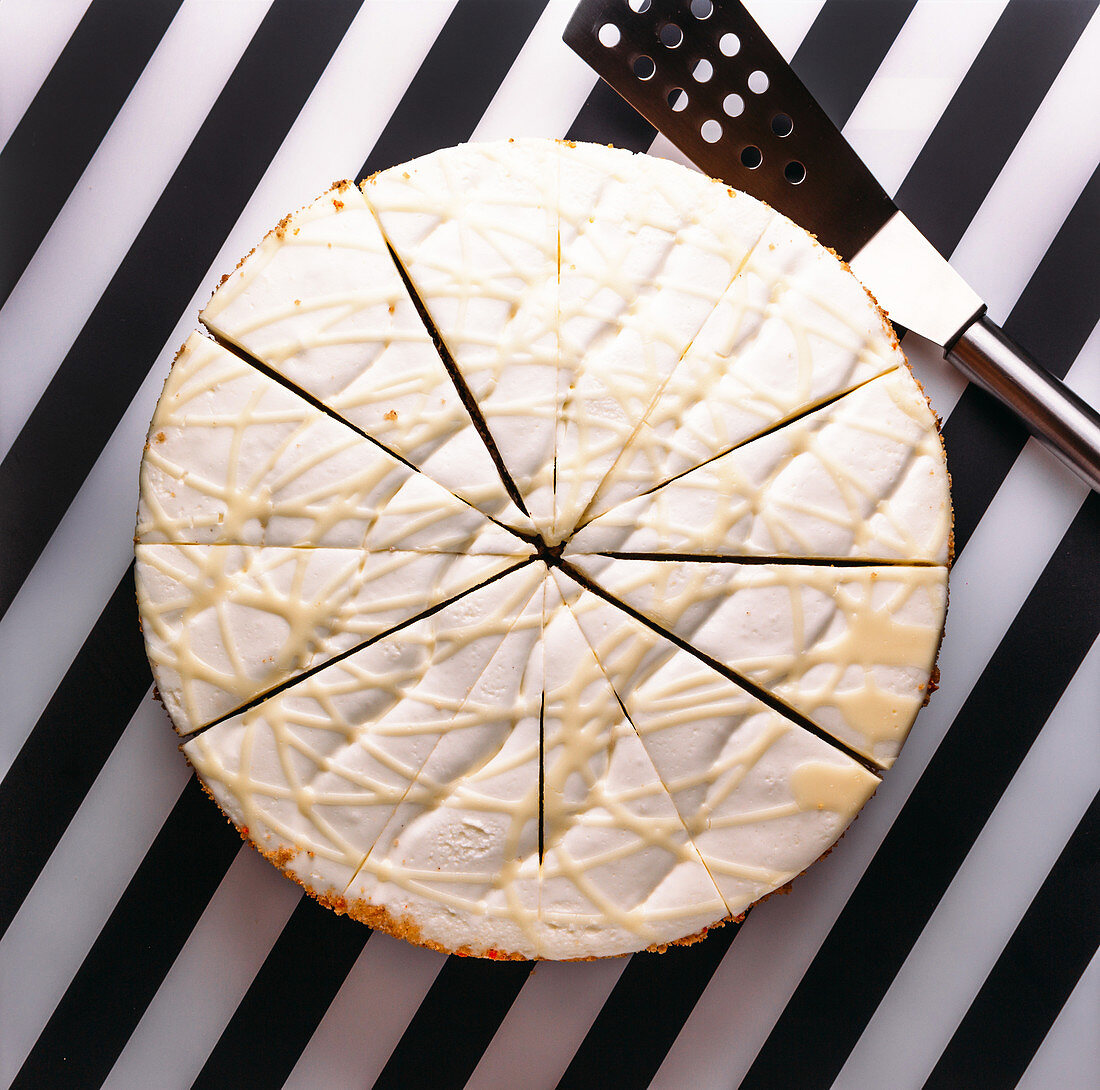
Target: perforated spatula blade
(707, 77)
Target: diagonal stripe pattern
(628, 1002)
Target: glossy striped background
(949, 942)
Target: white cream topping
(793, 329)
(233, 457)
(761, 798)
(457, 865)
(647, 251)
(314, 773)
(321, 302)
(851, 648)
(619, 872)
(863, 477)
(225, 623)
(476, 229)
(619, 323)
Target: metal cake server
(706, 75)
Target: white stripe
(1044, 175)
(33, 34)
(785, 22)
(567, 996)
(209, 978)
(336, 128)
(365, 1021)
(78, 888)
(777, 943)
(545, 87)
(1069, 1057)
(915, 82)
(119, 187)
(989, 895)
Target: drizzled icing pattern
(851, 648)
(321, 302)
(476, 229)
(863, 477)
(225, 623)
(457, 864)
(647, 251)
(233, 457)
(313, 774)
(792, 329)
(617, 321)
(619, 872)
(760, 798)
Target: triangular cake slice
(321, 302)
(234, 457)
(456, 867)
(647, 251)
(761, 797)
(793, 329)
(225, 623)
(851, 648)
(619, 872)
(864, 477)
(475, 230)
(313, 774)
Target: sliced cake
(321, 302)
(864, 477)
(851, 648)
(225, 623)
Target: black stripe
(1054, 316)
(987, 115)
(454, 1024)
(457, 80)
(843, 50)
(135, 949)
(963, 782)
(646, 1010)
(1038, 968)
(72, 739)
(114, 351)
(63, 126)
(285, 1003)
(605, 118)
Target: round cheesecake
(542, 550)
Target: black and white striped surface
(949, 941)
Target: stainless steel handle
(1065, 424)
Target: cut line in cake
(234, 455)
(308, 673)
(863, 478)
(320, 301)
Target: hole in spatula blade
(794, 172)
(758, 82)
(782, 125)
(609, 35)
(644, 67)
(671, 35)
(677, 100)
(734, 105)
(751, 157)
